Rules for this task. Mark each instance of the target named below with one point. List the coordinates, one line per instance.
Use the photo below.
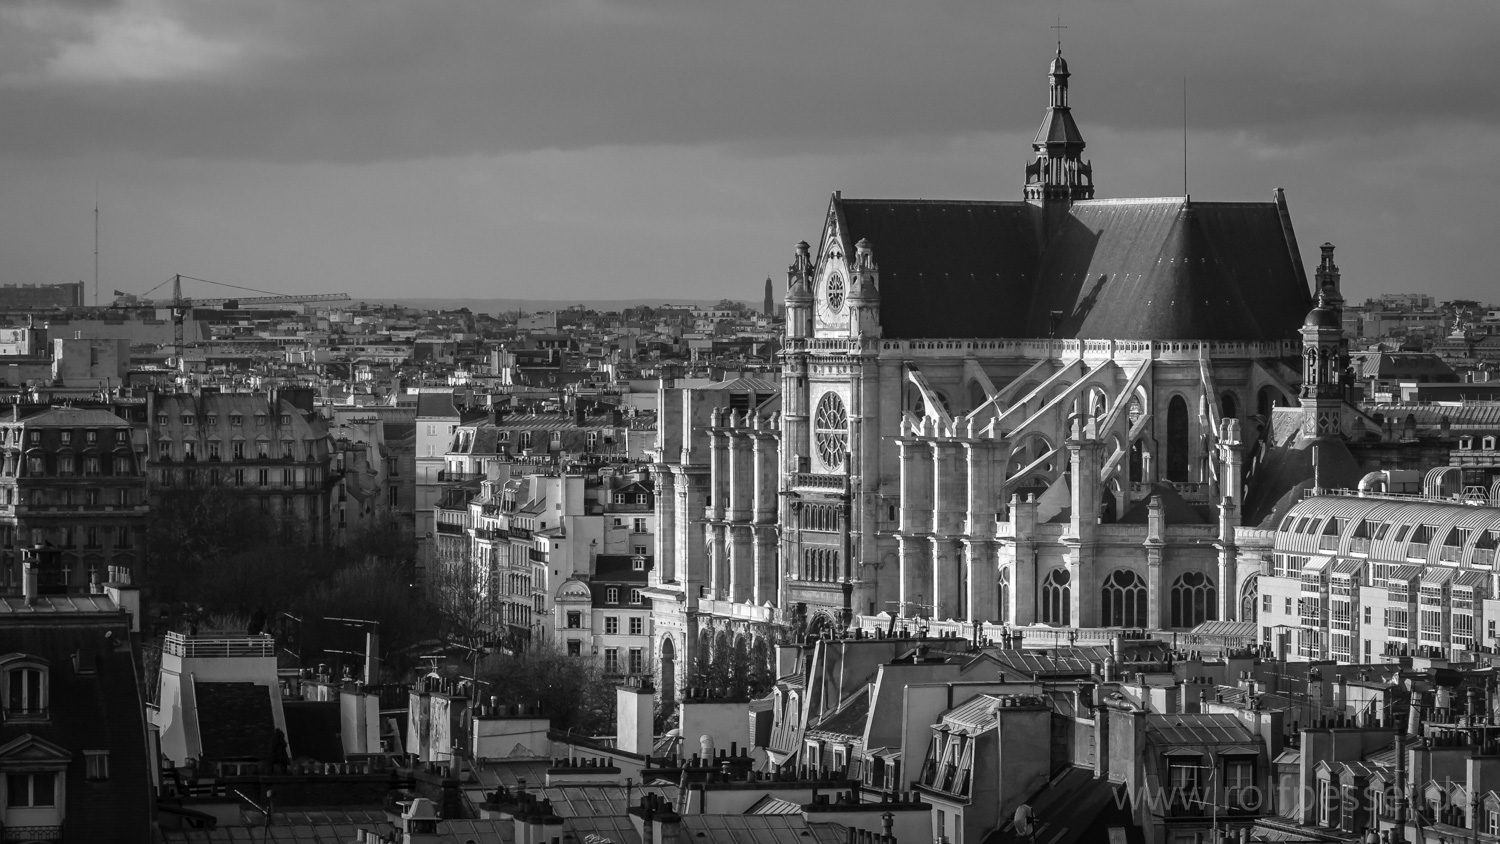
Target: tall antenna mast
(1184, 135)
(96, 244)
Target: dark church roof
(1140, 269)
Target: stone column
(766, 574)
(718, 561)
(794, 422)
(1023, 581)
(1157, 614)
(665, 570)
(692, 556)
(916, 522)
(741, 477)
(948, 509)
(916, 574)
(741, 562)
(764, 460)
(979, 549)
(718, 469)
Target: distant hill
(495, 306)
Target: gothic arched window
(1122, 600)
(1228, 407)
(1002, 590)
(1194, 600)
(1177, 439)
(1056, 594)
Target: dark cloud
(600, 148)
(360, 80)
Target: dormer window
(161, 418)
(31, 791)
(638, 563)
(236, 420)
(285, 419)
(1489, 443)
(25, 689)
(67, 437)
(1465, 443)
(91, 436)
(213, 419)
(188, 419)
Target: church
(995, 412)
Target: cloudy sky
(678, 148)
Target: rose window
(831, 431)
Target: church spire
(1059, 171)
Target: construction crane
(181, 306)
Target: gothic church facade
(1002, 412)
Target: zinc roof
(1188, 729)
(1442, 516)
(759, 829)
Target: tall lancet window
(1056, 598)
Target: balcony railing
(449, 477)
(33, 833)
(807, 480)
(218, 647)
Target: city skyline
(596, 150)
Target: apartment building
(71, 488)
(1376, 577)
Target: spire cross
(1059, 27)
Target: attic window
(1465, 443)
(1489, 443)
(85, 661)
(97, 764)
(26, 691)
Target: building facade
(72, 489)
(272, 449)
(993, 412)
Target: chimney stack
(29, 588)
(634, 710)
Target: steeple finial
(1059, 171)
(1058, 27)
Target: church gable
(831, 284)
